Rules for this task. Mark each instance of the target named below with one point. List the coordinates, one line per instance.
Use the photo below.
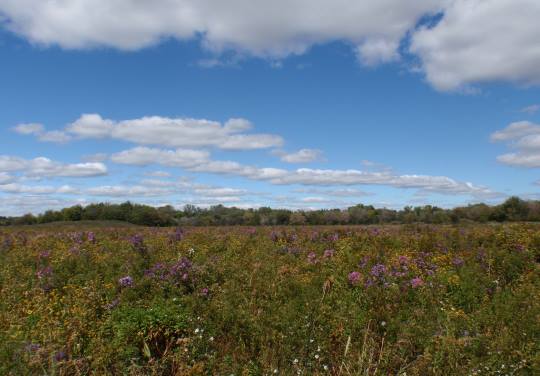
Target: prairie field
(361, 300)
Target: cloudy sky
(296, 103)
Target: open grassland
(391, 300)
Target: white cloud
(532, 109)
(38, 130)
(192, 161)
(143, 156)
(219, 191)
(524, 137)
(516, 131)
(272, 29)
(5, 178)
(36, 189)
(157, 130)
(345, 192)
(301, 156)
(44, 167)
(125, 191)
(479, 41)
(158, 174)
(29, 128)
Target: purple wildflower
(329, 253)
(126, 281)
(44, 254)
(417, 282)
(403, 260)
(205, 291)
(378, 270)
(354, 278)
(113, 304)
(91, 237)
(274, 236)
(31, 347)
(458, 262)
(60, 355)
(45, 272)
(312, 257)
(178, 235)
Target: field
(389, 300)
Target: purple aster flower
(417, 282)
(91, 237)
(274, 236)
(458, 262)
(378, 270)
(354, 278)
(44, 254)
(45, 272)
(403, 260)
(113, 304)
(126, 281)
(178, 235)
(329, 253)
(60, 355)
(312, 257)
(205, 291)
(32, 347)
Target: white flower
(276, 371)
(197, 330)
(295, 361)
(325, 367)
(211, 339)
(316, 356)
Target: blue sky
(310, 116)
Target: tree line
(513, 209)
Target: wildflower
(354, 278)
(91, 237)
(113, 304)
(44, 254)
(417, 282)
(178, 234)
(378, 270)
(45, 272)
(403, 260)
(60, 355)
(205, 291)
(31, 347)
(126, 281)
(329, 253)
(312, 257)
(458, 261)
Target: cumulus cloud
(262, 28)
(303, 176)
(301, 156)
(524, 138)
(44, 167)
(143, 156)
(38, 130)
(474, 41)
(36, 189)
(5, 178)
(481, 40)
(532, 109)
(157, 130)
(128, 191)
(345, 192)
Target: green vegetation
(373, 300)
(512, 210)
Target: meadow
(359, 300)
